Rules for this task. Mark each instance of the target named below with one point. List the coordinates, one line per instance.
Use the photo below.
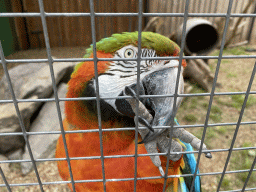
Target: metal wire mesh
(227, 14)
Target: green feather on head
(161, 44)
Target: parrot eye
(129, 53)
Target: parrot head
(157, 77)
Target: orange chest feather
(75, 112)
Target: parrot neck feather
(75, 111)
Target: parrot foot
(142, 120)
(187, 137)
(161, 142)
(145, 123)
(129, 91)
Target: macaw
(119, 78)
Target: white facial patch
(124, 73)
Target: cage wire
(180, 15)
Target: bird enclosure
(73, 28)
(223, 116)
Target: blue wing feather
(190, 167)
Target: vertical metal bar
(5, 180)
(15, 102)
(213, 89)
(238, 125)
(138, 91)
(95, 60)
(176, 89)
(249, 174)
(55, 91)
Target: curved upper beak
(161, 82)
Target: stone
(5, 166)
(43, 146)
(34, 79)
(15, 155)
(29, 81)
(9, 123)
(19, 76)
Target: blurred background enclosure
(74, 29)
(230, 67)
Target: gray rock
(29, 81)
(43, 146)
(33, 79)
(19, 76)
(15, 155)
(9, 123)
(5, 166)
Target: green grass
(190, 118)
(226, 184)
(194, 103)
(232, 51)
(238, 101)
(221, 130)
(211, 134)
(230, 75)
(216, 113)
(242, 160)
(223, 61)
(197, 89)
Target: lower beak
(161, 82)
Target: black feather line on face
(120, 64)
(110, 74)
(124, 76)
(121, 70)
(117, 54)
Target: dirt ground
(234, 76)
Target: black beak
(161, 82)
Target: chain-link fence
(205, 126)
